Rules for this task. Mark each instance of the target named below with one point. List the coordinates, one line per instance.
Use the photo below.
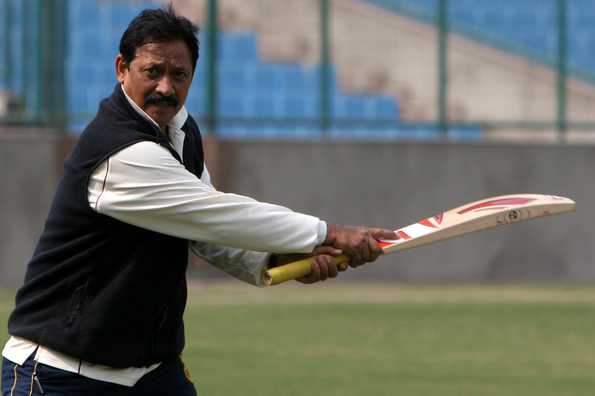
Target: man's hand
(358, 243)
(322, 267)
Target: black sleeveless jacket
(96, 288)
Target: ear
(121, 68)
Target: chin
(162, 116)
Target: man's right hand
(358, 243)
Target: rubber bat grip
(294, 270)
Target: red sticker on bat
(403, 235)
(498, 202)
(428, 223)
(383, 244)
(491, 208)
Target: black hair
(159, 26)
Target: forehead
(172, 52)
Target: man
(100, 312)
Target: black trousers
(35, 379)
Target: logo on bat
(433, 222)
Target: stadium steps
(509, 82)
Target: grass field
(351, 339)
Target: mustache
(156, 99)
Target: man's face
(158, 78)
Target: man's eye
(152, 72)
(181, 75)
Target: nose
(165, 87)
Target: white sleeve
(246, 265)
(146, 186)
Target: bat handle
(294, 270)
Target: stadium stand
(250, 88)
(384, 75)
(501, 60)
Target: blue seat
(355, 106)
(302, 107)
(230, 107)
(311, 79)
(385, 108)
(76, 101)
(227, 51)
(231, 79)
(263, 79)
(295, 107)
(465, 133)
(83, 12)
(196, 101)
(292, 80)
(237, 47)
(264, 106)
(339, 107)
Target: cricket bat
(474, 216)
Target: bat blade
(474, 216)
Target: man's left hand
(322, 268)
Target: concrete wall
(29, 159)
(376, 184)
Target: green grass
(350, 339)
